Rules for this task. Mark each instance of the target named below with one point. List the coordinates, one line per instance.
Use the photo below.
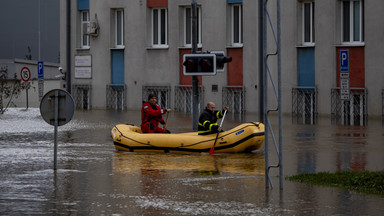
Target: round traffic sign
(57, 106)
(25, 74)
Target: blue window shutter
(82, 4)
(117, 66)
(306, 57)
(234, 1)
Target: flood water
(95, 179)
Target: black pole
(195, 79)
(261, 61)
(68, 73)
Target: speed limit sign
(25, 74)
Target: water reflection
(307, 158)
(95, 179)
(352, 156)
(188, 164)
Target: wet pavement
(95, 179)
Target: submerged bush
(366, 181)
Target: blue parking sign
(40, 70)
(344, 61)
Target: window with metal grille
(81, 94)
(234, 98)
(352, 111)
(162, 93)
(116, 96)
(184, 98)
(304, 105)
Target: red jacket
(152, 114)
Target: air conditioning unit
(90, 28)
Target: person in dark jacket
(208, 120)
(152, 115)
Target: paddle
(166, 121)
(212, 150)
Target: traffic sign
(60, 101)
(344, 63)
(57, 108)
(25, 74)
(40, 70)
(344, 89)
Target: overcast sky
(19, 29)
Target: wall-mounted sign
(83, 72)
(83, 61)
(83, 66)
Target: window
(188, 27)
(237, 24)
(308, 23)
(352, 21)
(159, 27)
(119, 29)
(84, 29)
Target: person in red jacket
(151, 116)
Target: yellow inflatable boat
(243, 138)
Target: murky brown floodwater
(95, 179)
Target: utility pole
(68, 72)
(261, 61)
(195, 79)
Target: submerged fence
(116, 96)
(81, 94)
(184, 98)
(162, 93)
(304, 105)
(234, 98)
(352, 111)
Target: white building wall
(145, 65)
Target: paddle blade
(212, 150)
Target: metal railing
(184, 98)
(163, 94)
(234, 98)
(81, 94)
(304, 105)
(116, 96)
(352, 111)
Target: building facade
(120, 51)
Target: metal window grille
(116, 96)
(162, 93)
(352, 111)
(304, 105)
(184, 98)
(81, 94)
(233, 97)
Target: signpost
(344, 83)
(57, 108)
